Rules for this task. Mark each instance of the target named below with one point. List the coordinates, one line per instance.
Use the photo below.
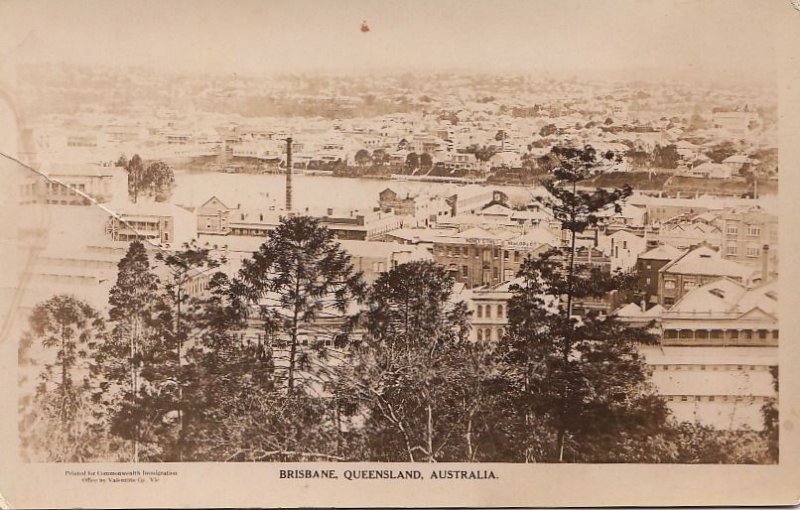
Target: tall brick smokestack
(765, 263)
(288, 174)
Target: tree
(769, 411)
(721, 151)
(182, 328)
(666, 157)
(155, 179)
(548, 130)
(412, 161)
(425, 161)
(133, 350)
(135, 169)
(57, 423)
(402, 367)
(380, 157)
(485, 153)
(298, 275)
(362, 157)
(158, 181)
(579, 376)
(501, 136)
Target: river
(258, 190)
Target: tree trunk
(430, 430)
(178, 375)
(63, 379)
(293, 347)
(470, 453)
(567, 347)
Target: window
(689, 285)
(624, 245)
(480, 311)
(487, 334)
(495, 273)
(500, 332)
(668, 301)
(488, 311)
(505, 255)
(500, 311)
(684, 398)
(516, 256)
(648, 281)
(731, 249)
(753, 251)
(753, 230)
(762, 334)
(669, 284)
(480, 334)
(497, 253)
(775, 334)
(465, 271)
(732, 230)
(734, 334)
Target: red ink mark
(364, 26)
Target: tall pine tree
(580, 377)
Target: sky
(268, 36)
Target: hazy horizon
(684, 39)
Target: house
(372, 258)
(157, 222)
(695, 268)
(710, 171)
(623, 247)
(648, 265)
(683, 234)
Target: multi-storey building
(216, 218)
(718, 346)
(74, 184)
(479, 257)
(161, 223)
(750, 237)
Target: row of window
(719, 334)
(486, 334)
(752, 230)
(713, 368)
(750, 251)
(714, 398)
(80, 201)
(479, 312)
(63, 189)
(463, 251)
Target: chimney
(765, 263)
(289, 174)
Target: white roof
(706, 261)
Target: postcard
(360, 253)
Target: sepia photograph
(398, 242)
